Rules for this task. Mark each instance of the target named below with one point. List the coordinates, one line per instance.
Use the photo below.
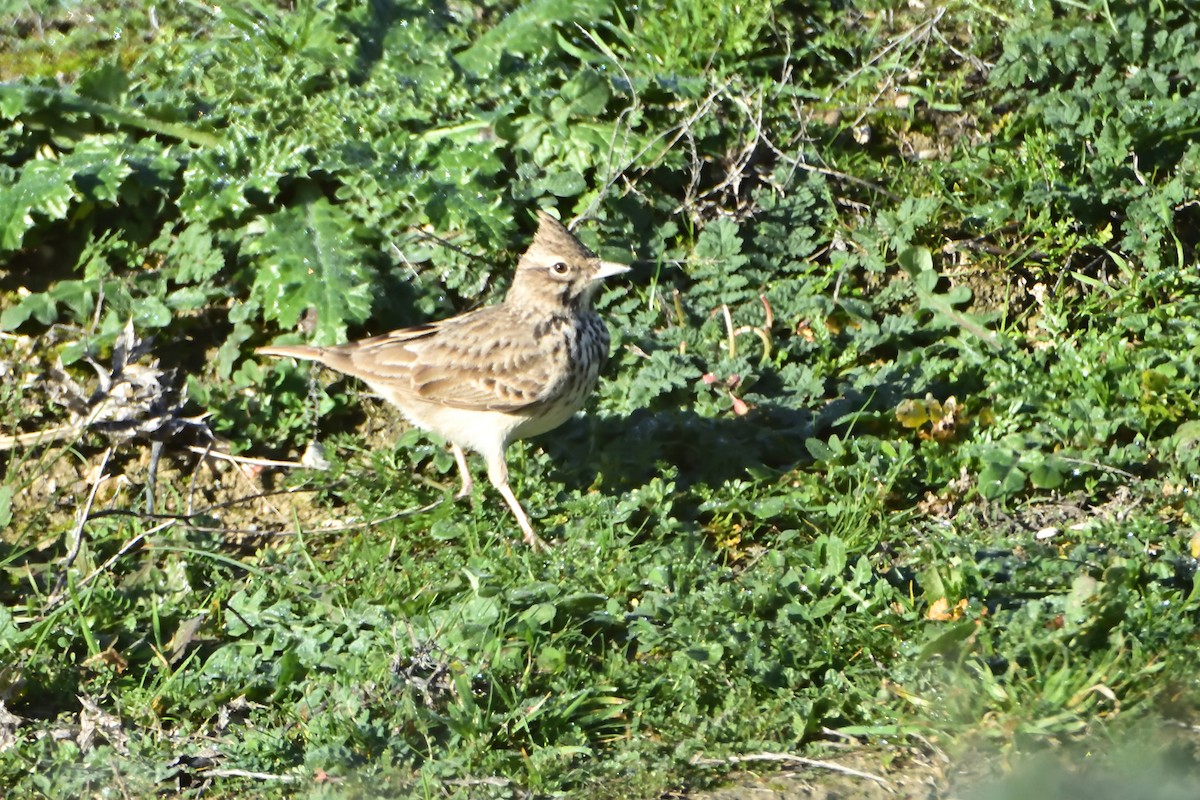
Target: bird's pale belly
(550, 416)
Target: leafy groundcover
(895, 459)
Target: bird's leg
(498, 475)
(468, 483)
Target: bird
(502, 372)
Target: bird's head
(558, 271)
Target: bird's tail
(300, 351)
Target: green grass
(897, 445)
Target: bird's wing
(482, 360)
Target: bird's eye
(560, 268)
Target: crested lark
(499, 373)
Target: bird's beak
(609, 269)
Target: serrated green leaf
(98, 168)
(310, 257)
(716, 265)
(663, 372)
(720, 241)
(193, 255)
(106, 83)
(44, 188)
(527, 29)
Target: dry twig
(77, 533)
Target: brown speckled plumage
(499, 373)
